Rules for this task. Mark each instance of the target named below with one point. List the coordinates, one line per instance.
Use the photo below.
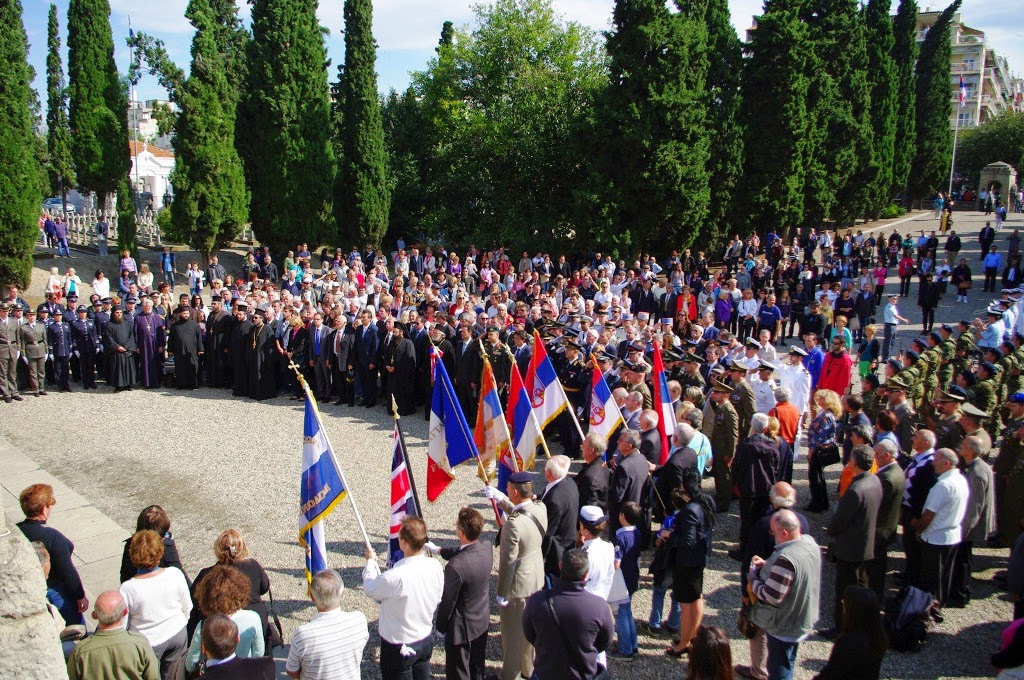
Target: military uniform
(871, 406)
(948, 432)
(575, 378)
(86, 348)
(58, 340)
(32, 340)
(643, 389)
(724, 436)
(692, 380)
(906, 425)
(1009, 473)
(947, 354)
(743, 400)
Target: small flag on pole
(522, 422)
(963, 92)
(322, 488)
(663, 405)
(491, 434)
(546, 394)
(449, 441)
(605, 415)
(403, 497)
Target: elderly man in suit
(852, 530)
(594, 477)
(650, 437)
(979, 521)
(890, 474)
(520, 569)
(562, 501)
(463, 615)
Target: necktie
(318, 342)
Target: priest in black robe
(240, 332)
(119, 347)
(401, 369)
(185, 344)
(218, 337)
(261, 359)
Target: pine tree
(98, 107)
(657, 145)
(884, 90)
(285, 112)
(839, 164)
(58, 133)
(934, 153)
(904, 55)
(725, 66)
(362, 198)
(210, 199)
(19, 187)
(774, 117)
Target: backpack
(909, 617)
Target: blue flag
(449, 441)
(321, 489)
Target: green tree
(725, 100)
(285, 111)
(58, 133)
(656, 149)
(840, 159)
(98, 106)
(127, 228)
(19, 186)
(362, 197)
(774, 116)
(408, 147)
(884, 104)
(505, 101)
(934, 153)
(904, 55)
(1001, 139)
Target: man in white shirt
(764, 387)
(939, 525)
(331, 645)
(409, 593)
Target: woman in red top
(906, 271)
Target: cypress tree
(934, 153)
(840, 156)
(904, 56)
(725, 162)
(211, 202)
(654, 112)
(98, 107)
(58, 133)
(362, 198)
(774, 117)
(285, 111)
(884, 90)
(19, 186)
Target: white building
(151, 172)
(141, 120)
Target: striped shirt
(775, 587)
(920, 460)
(330, 646)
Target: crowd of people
(758, 352)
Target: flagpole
(330, 450)
(952, 164)
(405, 454)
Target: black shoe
(42, 393)
(647, 629)
(829, 634)
(7, 400)
(616, 656)
(17, 397)
(736, 555)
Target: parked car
(56, 204)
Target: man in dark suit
(852, 529)
(342, 343)
(220, 637)
(594, 477)
(562, 500)
(986, 237)
(650, 437)
(890, 475)
(367, 344)
(464, 612)
(669, 476)
(521, 352)
(468, 365)
(320, 356)
(629, 478)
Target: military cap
(81, 309)
(934, 335)
(42, 309)
(1017, 398)
(719, 386)
(946, 327)
(606, 356)
(58, 312)
(896, 384)
(799, 351)
(570, 343)
(690, 357)
(736, 366)
(954, 393)
(752, 344)
(29, 310)
(72, 296)
(767, 366)
(106, 301)
(912, 355)
(490, 329)
(667, 321)
(636, 347)
(989, 367)
(972, 410)
(521, 478)
(5, 306)
(132, 300)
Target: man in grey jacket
(979, 520)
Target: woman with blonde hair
(230, 549)
(54, 284)
(785, 450)
(71, 283)
(823, 449)
(145, 280)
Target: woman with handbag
(824, 450)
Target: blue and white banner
(321, 491)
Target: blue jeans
(62, 247)
(658, 603)
(781, 658)
(625, 627)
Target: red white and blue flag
(963, 92)
(605, 415)
(449, 440)
(662, 404)
(403, 496)
(546, 394)
(491, 434)
(522, 424)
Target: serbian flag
(403, 496)
(546, 394)
(963, 92)
(321, 489)
(525, 430)
(605, 415)
(449, 441)
(662, 404)
(491, 434)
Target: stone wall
(28, 638)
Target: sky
(407, 30)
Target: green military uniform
(912, 376)
(643, 389)
(1009, 473)
(871, 405)
(500, 357)
(948, 432)
(965, 347)
(947, 354)
(742, 399)
(724, 438)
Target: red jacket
(835, 373)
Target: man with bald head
(113, 653)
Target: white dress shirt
(409, 593)
(948, 500)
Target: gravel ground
(214, 461)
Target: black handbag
(276, 633)
(827, 455)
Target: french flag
(963, 92)
(663, 404)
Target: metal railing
(82, 229)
